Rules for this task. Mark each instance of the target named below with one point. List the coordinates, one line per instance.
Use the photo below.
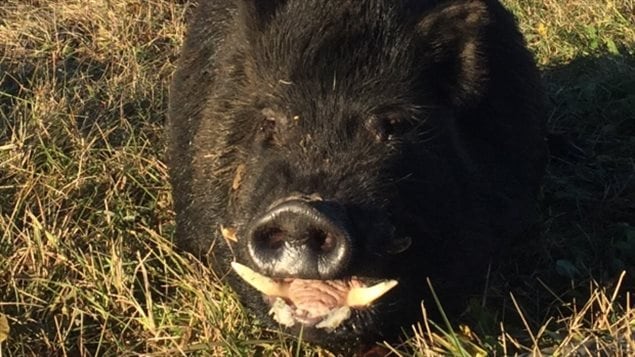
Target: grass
(86, 262)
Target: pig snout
(301, 239)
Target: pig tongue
(317, 297)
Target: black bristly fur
(422, 118)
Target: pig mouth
(322, 304)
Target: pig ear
(256, 14)
(452, 48)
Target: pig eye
(269, 120)
(274, 127)
(384, 128)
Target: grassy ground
(86, 263)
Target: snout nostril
(321, 241)
(269, 238)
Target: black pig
(341, 151)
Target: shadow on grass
(589, 202)
(588, 205)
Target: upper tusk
(364, 296)
(260, 282)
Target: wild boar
(336, 153)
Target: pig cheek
(230, 229)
